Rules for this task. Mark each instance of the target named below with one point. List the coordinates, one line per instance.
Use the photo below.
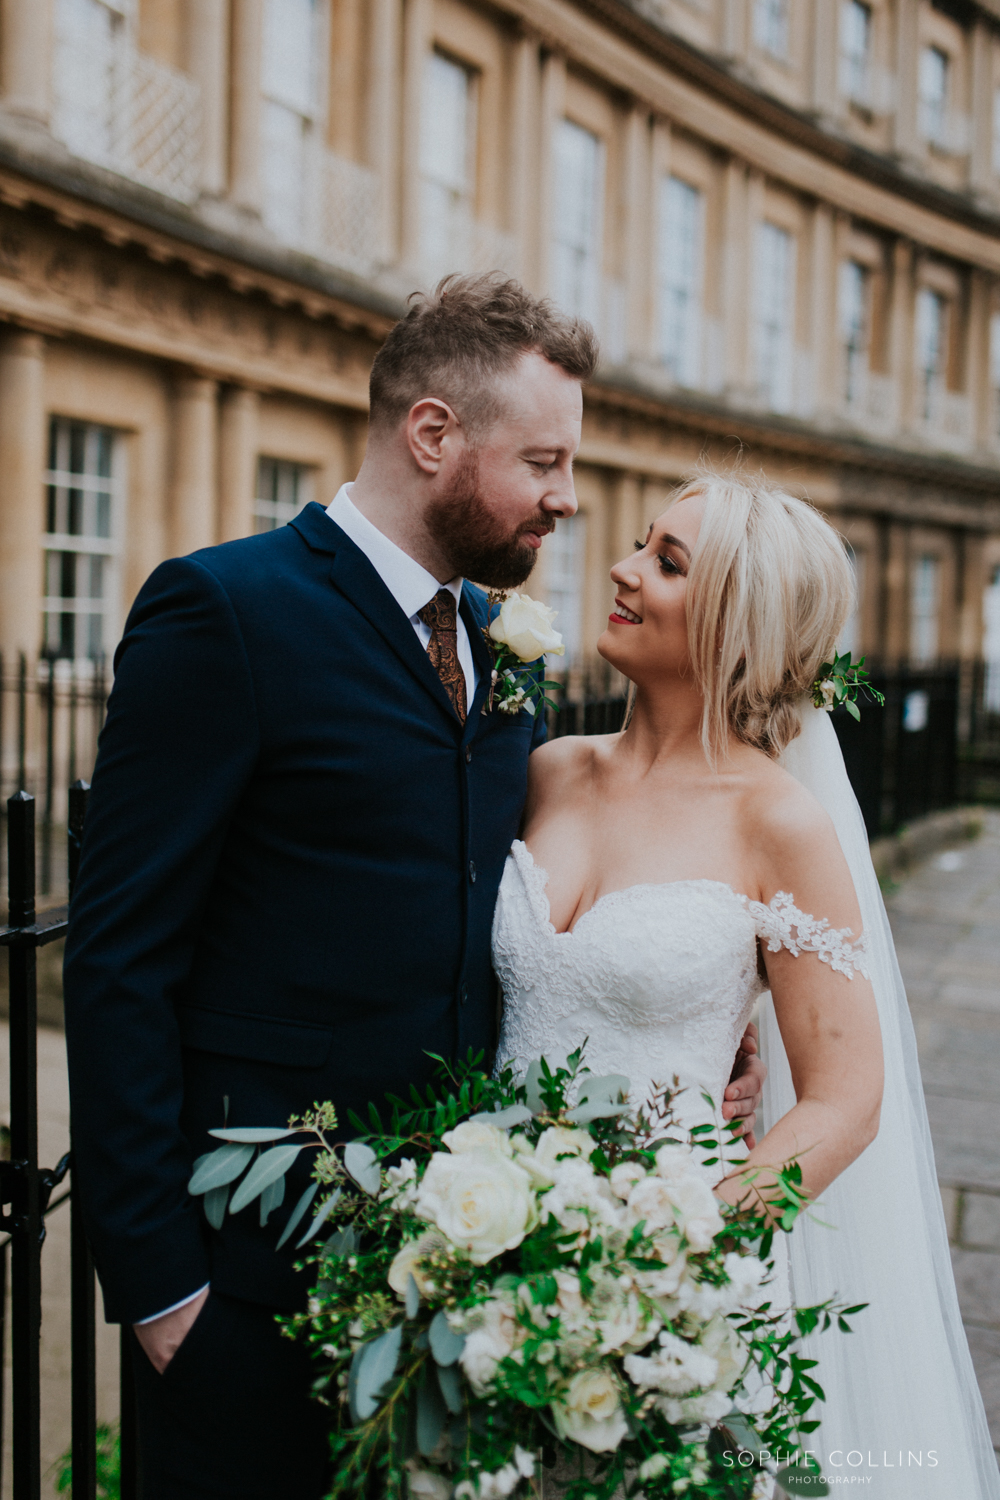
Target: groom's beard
(478, 544)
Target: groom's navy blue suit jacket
(292, 854)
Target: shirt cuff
(182, 1303)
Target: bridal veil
(903, 1415)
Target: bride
(712, 856)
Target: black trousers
(231, 1418)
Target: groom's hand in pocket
(742, 1096)
(161, 1339)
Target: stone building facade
(782, 215)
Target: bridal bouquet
(542, 1275)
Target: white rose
(401, 1185)
(828, 693)
(650, 1202)
(557, 1141)
(746, 1274)
(697, 1211)
(423, 1485)
(526, 627)
(589, 1412)
(624, 1177)
(480, 1200)
(719, 1339)
(474, 1135)
(676, 1367)
(581, 1199)
(491, 1331)
(674, 1162)
(710, 1407)
(408, 1258)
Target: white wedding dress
(660, 980)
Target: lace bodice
(658, 980)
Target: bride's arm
(829, 1022)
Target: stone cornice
(977, 483)
(824, 164)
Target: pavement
(946, 920)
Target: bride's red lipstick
(614, 618)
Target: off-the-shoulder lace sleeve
(780, 924)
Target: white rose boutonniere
(519, 635)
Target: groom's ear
(430, 423)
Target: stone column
(906, 136)
(191, 520)
(824, 307)
(901, 315)
(553, 104)
(523, 156)
(417, 33)
(26, 56)
(245, 168)
(208, 62)
(639, 235)
(627, 526)
(825, 23)
(976, 371)
(22, 464)
(896, 598)
(981, 174)
(237, 462)
(383, 118)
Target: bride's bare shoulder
(791, 833)
(560, 764)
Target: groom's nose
(560, 498)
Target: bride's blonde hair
(769, 588)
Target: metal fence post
(27, 1230)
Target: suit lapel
(475, 613)
(353, 576)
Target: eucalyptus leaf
(744, 1434)
(376, 1370)
(799, 1481)
(215, 1205)
(451, 1387)
(268, 1166)
(446, 1344)
(533, 1087)
(431, 1414)
(362, 1164)
(503, 1119)
(342, 1242)
(604, 1090)
(218, 1167)
(253, 1135)
(584, 1113)
(321, 1218)
(271, 1198)
(298, 1213)
(412, 1297)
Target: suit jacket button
(468, 754)
(472, 871)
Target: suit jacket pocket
(288, 1044)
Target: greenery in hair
(840, 681)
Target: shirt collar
(408, 582)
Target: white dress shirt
(409, 584)
(412, 587)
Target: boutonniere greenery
(840, 681)
(518, 637)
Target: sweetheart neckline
(641, 885)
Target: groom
(298, 823)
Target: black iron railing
(26, 1191)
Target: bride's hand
(746, 1082)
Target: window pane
(288, 54)
(854, 298)
(681, 258)
(991, 643)
(770, 26)
(565, 563)
(855, 46)
(924, 611)
(283, 170)
(933, 92)
(282, 490)
(444, 127)
(773, 296)
(81, 581)
(577, 209)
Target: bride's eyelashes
(665, 560)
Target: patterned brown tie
(440, 615)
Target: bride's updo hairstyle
(769, 588)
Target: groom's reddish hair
(458, 342)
